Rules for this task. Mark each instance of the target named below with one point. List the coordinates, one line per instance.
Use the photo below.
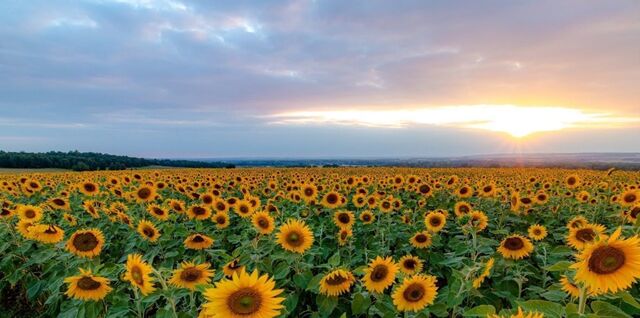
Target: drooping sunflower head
(537, 232)
(198, 242)
(263, 222)
(577, 221)
(295, 236)
(343, 236)
(148, 231)
(244, 296)
(232, 267)
(87, 286)
(421, 240)
(343, 219)
(570, 288)
(582, 236)
(158, 212)
(410, 264)
(336, 282)
(478, 220)
(435, 221)
(380, 274)
(515, 247)
(86, 243)
(609, 265)
(190, 274)
(49, 234)
(415, 293)
(138, 273)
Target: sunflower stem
(138, 303)
(166, 289)
(583, 300)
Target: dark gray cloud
(192, 73)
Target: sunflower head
(415, 293)
(86, 243)
(380, 274)
(410, 264)
(515, 247)
(435, 221)
(189, 275)
(295, 236)
(367, 217)
(343, 219)
(421, 240)
(263, 222)
(148, 231)
(198, 242)
(138, 273)
(87, 286)
(537, 232)
(336, 282)
(580, 237)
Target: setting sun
(517, 121)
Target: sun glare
(517, 121)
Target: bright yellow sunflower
(189, 275)
(519, 314)
(515, 247)
(23, 227)
(336, 282)
(630, 197)
(29, 212)
(245, 296)
(158, 212)
(87, 286)
(295, 236)
(86, 243)
(435, 221)
(232, 267)
(410, 264)
(609, 265)
(221, 219)
(380, 274)
(138, 273)
(570, 288)
(343, 219)
(331, 200)
(49, 234)
(461, 208)
(263, 222)
(478, 220)
(145, 193)
(148, 231)
(582, 236)
(199, 212)
(537, 232)
(484, 274)
(415, 293)
(421, 240)
(198, 242)
(367, 217)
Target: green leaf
(334, 260)
(480, 311)
(559, 266)
(604, 309)
(627, 298)
(326, 305)
(360, 304)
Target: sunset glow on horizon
(517, 121)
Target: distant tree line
(87, 161)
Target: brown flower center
(630, 197)
(332, 198)
(421, 238)
(85, 242)
(136, 274)
(198, 239)
(295, 238)
(30, 214)
(414, 292)
(87, 283)
(148, 231)
(144, 193)
(263, 223)
(190, 274)
(585, 235)
(435, 221)
(89, 187)
(335, 280)
(245, 301)
(606, 260)
(379, 273)
(410, 264)
(198, 210)
(344, 218)
(513, 243)
(58, 202)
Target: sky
(303, 79)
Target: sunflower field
(320, 242)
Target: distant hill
(626, 161)
(84, 161)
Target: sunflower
(86, 243)
(6, 213)
(199, 212)
(24, 227)
(189, 275)
(343, 219)
(519, 314)
(632, 214)
(221, 205)
(415, 293)
(295, 236)
(630, 197)
(461, 208)
(367, 217)
(515, 247)
(478, 220)
(380, 274)
(263, 222)
(435, 221)
(221, 219)
(331, 200)
(157, 212)
(89, 188)
(343, 236)
(29, 212)
(410, 264)
(309, 192)
(485, 273)
(87, 286)
(198, 242)
(464, 192)
(421, 240)
(145, 193)
(138, 273)
(148, 231)
(232, 267)
(537, 232)
(59, 203)
(244, 296)
(336, 282)
(50, 234)
(176, 205)
(580, 237)
(572, 181)
(577, 221)
(570, 288)
(609, 265)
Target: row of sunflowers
(321, 242)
